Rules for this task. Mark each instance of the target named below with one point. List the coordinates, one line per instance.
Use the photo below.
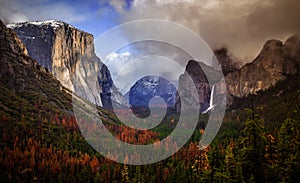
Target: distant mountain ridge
(69, 55)
(274, 62)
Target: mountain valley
(43, 64)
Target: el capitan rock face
(271, 65)
(69, 55)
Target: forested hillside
(259, 140)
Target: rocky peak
(14, 44)
(227, 62)
(292, 48)
(271, 47)
(195, 71)
(271, 65)
(52, 42)
(18, 71)
(69, 54)
(203, 77)
(52, 23)
(200, 81)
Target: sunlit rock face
(69, 54)
(273, 63)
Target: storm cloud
(240, 25)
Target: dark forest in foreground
(43, 144)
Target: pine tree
(288, 152)
(271, 159)
(85, 174)
(232, 167)
(138, 177)
(218, 170)
(124, 174)
(201, 168)
(251, 153)
(97, 177)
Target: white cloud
(145, 58)
(118, 5)
(18, 11)
(113, 56)
(116, 61)
(131, 71)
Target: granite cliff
(68, 53)
(274, 62)
(202, 81)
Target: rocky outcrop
(273, 63)
(69, 55)
(200, 81)
(292, 49)
(14, 52)
(10, 42)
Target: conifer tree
(138, 177)
(218, 170)
(251, 153)
(271, 159)
(288, 152)
(231, 166)
(201, 167)
(125, 174)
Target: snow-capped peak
(53, 23)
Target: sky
(242, 26)
(92, 16)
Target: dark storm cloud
(241, 25)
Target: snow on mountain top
(53, 23)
